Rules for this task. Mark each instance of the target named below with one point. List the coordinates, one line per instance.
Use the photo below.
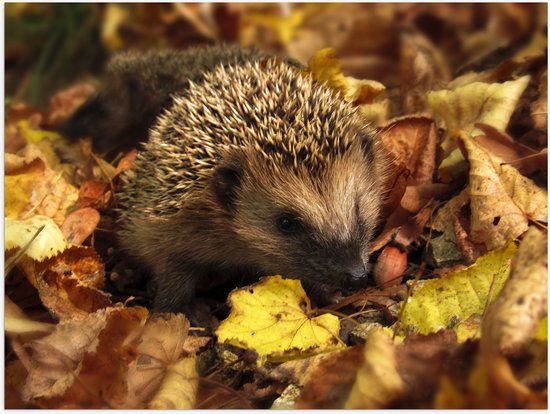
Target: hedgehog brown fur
(257, 169)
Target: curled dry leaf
(501, 145)
(378, 382)
(412, 140)
(179, 388)
(515, 315)
(126, 162)
(80, 224)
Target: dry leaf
(19, 233)
(526, 160)
(423, 68)
(514, 316)
(378, 382)
(463, 107)
(70, 283)
(17, 323)
(501, 199)
(179, 388)
(160, 346)
(412, 141)
(80, 224)
(328, 382)
(95, 194)
(442, 303)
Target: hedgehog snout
(356, 275)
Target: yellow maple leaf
(442, 303)
(272, 317)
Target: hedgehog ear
(367, 145)
(227, 179)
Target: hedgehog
(256, 169)
(138, 86)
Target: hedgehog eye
(288, 223)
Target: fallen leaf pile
(456, 316)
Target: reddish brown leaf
(80, 224)
(126, 162)
(331, 382)
(69, 284)
(96, 194)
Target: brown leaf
(412, 141)
(330, 382)
(160, 345)
(80, 224)
(413, 200)
(95, 194)
(126, 162)
(65, 102)
(525, 159)
(82, 363)
(69, 284)
(539, 108)
(423, 68)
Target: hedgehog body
(257, 170)
(138, 86)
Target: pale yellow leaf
(50, 241)
(179, 388)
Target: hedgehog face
(307, 225)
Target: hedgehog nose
(356, 276)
